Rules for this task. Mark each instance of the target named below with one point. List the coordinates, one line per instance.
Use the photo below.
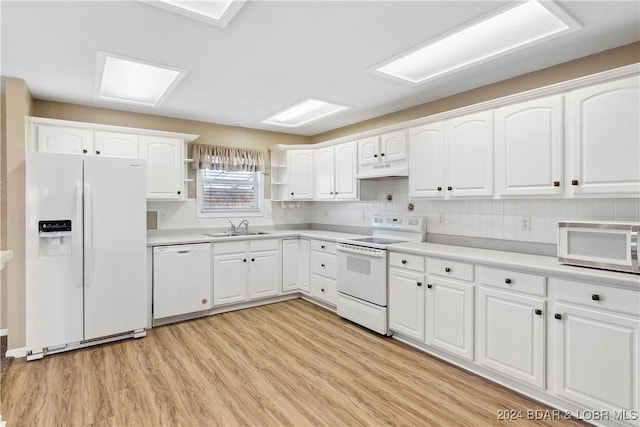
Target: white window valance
(227, 158)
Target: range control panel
(395, 222)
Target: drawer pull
(558, 316)
(322, 290)
(507, 281)
(447, 269)
(538, 312)
(322, 247)
(595, 297)
(419, 283)
(429, 285)
(404, 261)
(322, 265)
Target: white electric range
(362, 269)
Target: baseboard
(17, 352)
(4, 332)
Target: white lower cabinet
(323, 284)
(181, 279)
(406, 303)
(295, 264)
(596, 347)
(449, 316)
(245, 270)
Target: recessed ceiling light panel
(304, 112)
(215, 12)
(515, 28)
(132, 81)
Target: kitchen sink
(235, 233)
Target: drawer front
(451, 269)
(602, 297)
(264, 245)
(230, 247)
(410, 262)
(323, 264)
(324, 288)
(512, 280)
(322, 246)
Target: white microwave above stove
(599, 244)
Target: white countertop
(5, 256)
(184, 236)
(539, 264)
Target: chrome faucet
(233, 227)
(245, 223)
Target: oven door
(362, 273)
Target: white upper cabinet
(470, 155)
(529, 138)
(427, 160)
(300, 165)
(115, 144)
(64, 140)
(164, 167)
(604, 137)
(369, 151)
(335, 169)
(383, 155)
(393, 146)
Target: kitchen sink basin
(235, 233)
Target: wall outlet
(162, 216)
(441, 220)
(525, 223)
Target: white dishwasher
(181, 279)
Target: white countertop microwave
(599, 244)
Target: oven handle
(371, 252)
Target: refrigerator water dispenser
(55, 237)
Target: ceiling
(274, 54)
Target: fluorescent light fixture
(304, 112)
(215, 12)
(132, 81)
(515, 28)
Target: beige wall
(19, 105)
(602, 61)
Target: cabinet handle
(204, 300)
(322, 290)
(595, 297)
(404, 261)
(538, 312)
(331, 192)
(179, 192)
(292, 193)
(322, 265)
(507, 281)
(439, 189)
(558, 316)
(375, 155)
(335, 193)
(322, 247)
(253, 259)
(84, 151)
(574, 182)
(449, 188)
(382, 155)
(556, 183)
(447, 269)
(419, 283)
(97, 152)
(244, 260)
(429, 285)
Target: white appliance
(362, 269)
(86, 269)
(601, 244)
(181, 279)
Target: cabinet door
(64, 140)
(511, 335)
(229, 278)
(604, 135)
(529, 148)
(393, 146)
(115, 144)
(470, 155)
(264, 277)
(304, 271)
(369, 151)
(325, 173)
(164, 167)
(427, 160)
(596, 358)
(346, 167)
(301, 174)
(290, 275)
(406, 303)
(449, 318)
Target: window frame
(229, 212)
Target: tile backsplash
(526, 220)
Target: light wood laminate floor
(290, 363)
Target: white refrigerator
(86, 275)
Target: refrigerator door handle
(88, 250)
(78, 257)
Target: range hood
(384, 171)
